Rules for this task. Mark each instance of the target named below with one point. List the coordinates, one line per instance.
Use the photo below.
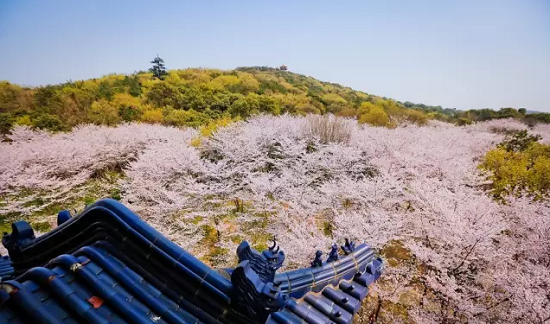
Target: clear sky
(463, 54)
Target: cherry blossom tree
(465, 257)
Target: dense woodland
(193, 97)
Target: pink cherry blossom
(419, 186)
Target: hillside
(194, 97)
(190, 97)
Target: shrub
(463, 122)
(365, 108)
(347, 112)
(416, 117)
(129, 107)
(153, 116)
(24, 121)
(328, 128)
(214, 125)
(129, 114)
(519, 165)
(245, 106)
(6, 122)
(210, 128)
(103, 113)
(519, 141)
(191, 118)
(49, 122)
(375, 117)
(225, 82)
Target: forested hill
(193, 97)
(190, 97)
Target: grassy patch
(211, 235)
(214, 254)
(395, 253)
(328, 229)
(6, 220)
(197, 219)
(237, 239)
(115, 194)
(41, 226)
(325, 223)
(259, 240)
(105, 184)
(52, 209)
(347, 203)
(260, 221)
(35, 202)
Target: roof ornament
(255, 291)
(106, 233)
(333, 255)
(265, 264)
(318, 261)
(63, 216)
(348, 247)
(21, 234)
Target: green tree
(269, 105)
(220, 101)
(508, 113)
(129, 107)
(49, 122)
(103, 113)
(193, 98)
(158, 69)
(153, 116)
(416, 117)
(6, 122)
(334, 103)
(105, 90)
(246, 106)
(519, 141)
(48, 99)
(247, 83)
(515, 172)
(191, 118)
(375, 117)
(13, 97)
(163, 94)
(365, 108)
(225, 82)
(214, 93)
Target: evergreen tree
(158, 69)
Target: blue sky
(464, 54)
